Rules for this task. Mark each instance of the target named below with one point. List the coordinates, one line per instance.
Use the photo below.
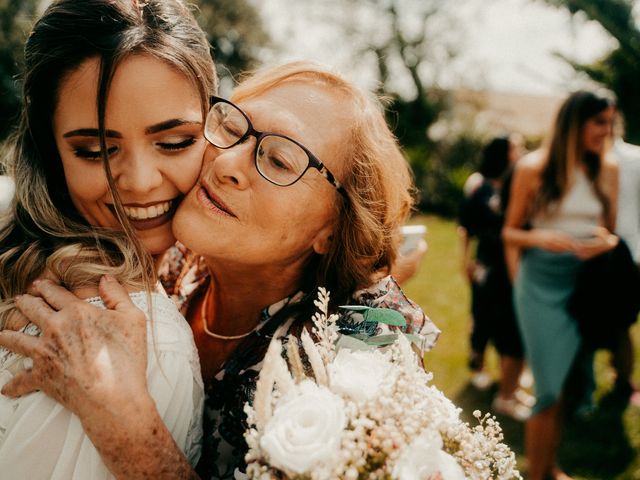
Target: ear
(323, 240)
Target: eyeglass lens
(278, 159)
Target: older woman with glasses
(303, 186)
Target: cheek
(185, 173)
(86, 181)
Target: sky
(504, 45)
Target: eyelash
(94, 155)
(178, 146)
(90, 154)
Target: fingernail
(108, 278)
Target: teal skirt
(552, 341)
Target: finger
(22, 383)
(35, 309)
(114, 295)
(16, 321)
(55, 295)
(19, 342)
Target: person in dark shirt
(481, 218)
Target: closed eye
(93, 154)
(177, 145)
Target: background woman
(91, 64)
(304, 186)
(482, 217)
(567, 194)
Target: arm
(93, 361)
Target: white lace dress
(40, 439)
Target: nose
(232, 166)
(137, 173)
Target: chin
(157, 244)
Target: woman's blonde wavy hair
(43, 234)
(374, 174)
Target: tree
(16, 17)
(409, 43)
(234, 29)
(619, 70)
(236, 35)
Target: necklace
(203, 314)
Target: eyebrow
(91, 132)
(158, 127)
(169, 124)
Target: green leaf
(382, 340)
(351, 343)
(355, 308)
(386, 316)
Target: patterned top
(184, 276)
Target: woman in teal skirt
(562, 211)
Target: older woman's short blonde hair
(374, 173)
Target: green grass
(605, 446)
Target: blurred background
(455, 74)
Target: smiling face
(154, 138)
(597, 130)
(234, 214)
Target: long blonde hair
(43, 233)
(375, 176)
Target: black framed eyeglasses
(278, 158)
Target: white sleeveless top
(40, 439)
(578, 213)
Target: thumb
(21, 384)
(114, 295)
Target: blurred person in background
(561, 212)
(481, 217)
(627, 228)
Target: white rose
(358, 374)
(424, 458)
(305, 430)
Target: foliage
(619, 70)
(234, 30)
(16, 17)
(440, 172)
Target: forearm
(135, 444)
(512, 261)
(518, 238)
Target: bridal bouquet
(338, 408)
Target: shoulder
(531, 164)
(386, 293)
(527, 172)
(167, 329)
(472, 184)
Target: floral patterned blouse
(184, 277)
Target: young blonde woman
(566, 193)
(91, 63)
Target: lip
(148, 224)
(212, 202)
